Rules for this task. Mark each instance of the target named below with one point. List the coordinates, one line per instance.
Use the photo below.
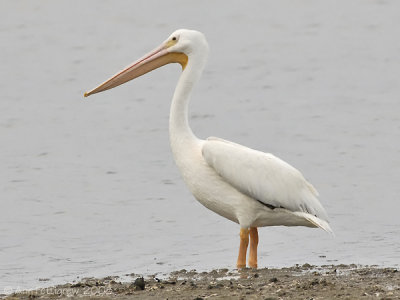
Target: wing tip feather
(317, 222)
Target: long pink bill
(153, 60)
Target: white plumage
(245, 169)
(249, 187)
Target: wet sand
(298, 282)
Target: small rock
(139, 284)
(273, 279)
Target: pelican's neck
(180, 133)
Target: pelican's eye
(172, 41)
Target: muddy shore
(298, 282)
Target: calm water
(89, 188)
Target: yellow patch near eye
(170, 43)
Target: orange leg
(244, 242)
(253, 247)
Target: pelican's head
(187, 42)
(179, 47)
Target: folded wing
(263, 176)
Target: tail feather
(317, 222)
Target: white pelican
(249, 187)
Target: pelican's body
(249, 187)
